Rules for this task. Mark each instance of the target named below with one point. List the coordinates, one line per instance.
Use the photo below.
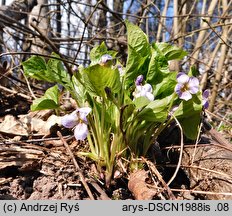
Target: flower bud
(105, 59)
(139, 80)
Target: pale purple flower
(77, 120)
(70, 120)
(205, 101)
(121, 70)
(144, 91)
(81, 131)
(75, 69)
(105, 58)
(139, 80)
(186, 86)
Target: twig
(34, 140)
(198, 192)
(220, 174)
(218, 117)
(85, 26)
(38, 54)
(204, 20)
(199, 30)
(197, 140)
(160, 178)
(181, 151)
(54, 48)
(200, 145)
(28, 85)
(2, 88)
(218, 138)
(82, 178)
(103, 195)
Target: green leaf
(141, 102)
(171, 52)
(57, 73)
(137, 39)
(50, 100)
(165, 85)
(158, 67)
(193, 71)
(79, 90)
(191, 125)
(43, 104)
(190, 107)
(135, 66)
(189, 115)
(138, 53)
(53, 71)
(156, 110)
(97, 78)
(98, 51)
(36, 68)
(162, 80)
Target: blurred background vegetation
(72, 28)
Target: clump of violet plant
(122, 110)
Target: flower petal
(138, 88)
(185, 96)
(121, 70)
(142, 93)
(70, 120)
(193, 85)
(105, 58)
(178, 88)
(83, 112)
(205, 103)
(81, 131)
(147, 87)
(206, 93)
(182, 78)
(150, 96)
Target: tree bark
(201, 35)
(39, 18)
(13, 13)
(220, 66)
(17, 10)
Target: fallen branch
(2, 88)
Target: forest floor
(36, 164)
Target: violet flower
(186, 86)
(139, 80)
(205, 101)
(143, 90)
(105, 59)
(77, 120)
(121, 70)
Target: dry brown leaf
(138, 186)
(26, 125)
(21, 126)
